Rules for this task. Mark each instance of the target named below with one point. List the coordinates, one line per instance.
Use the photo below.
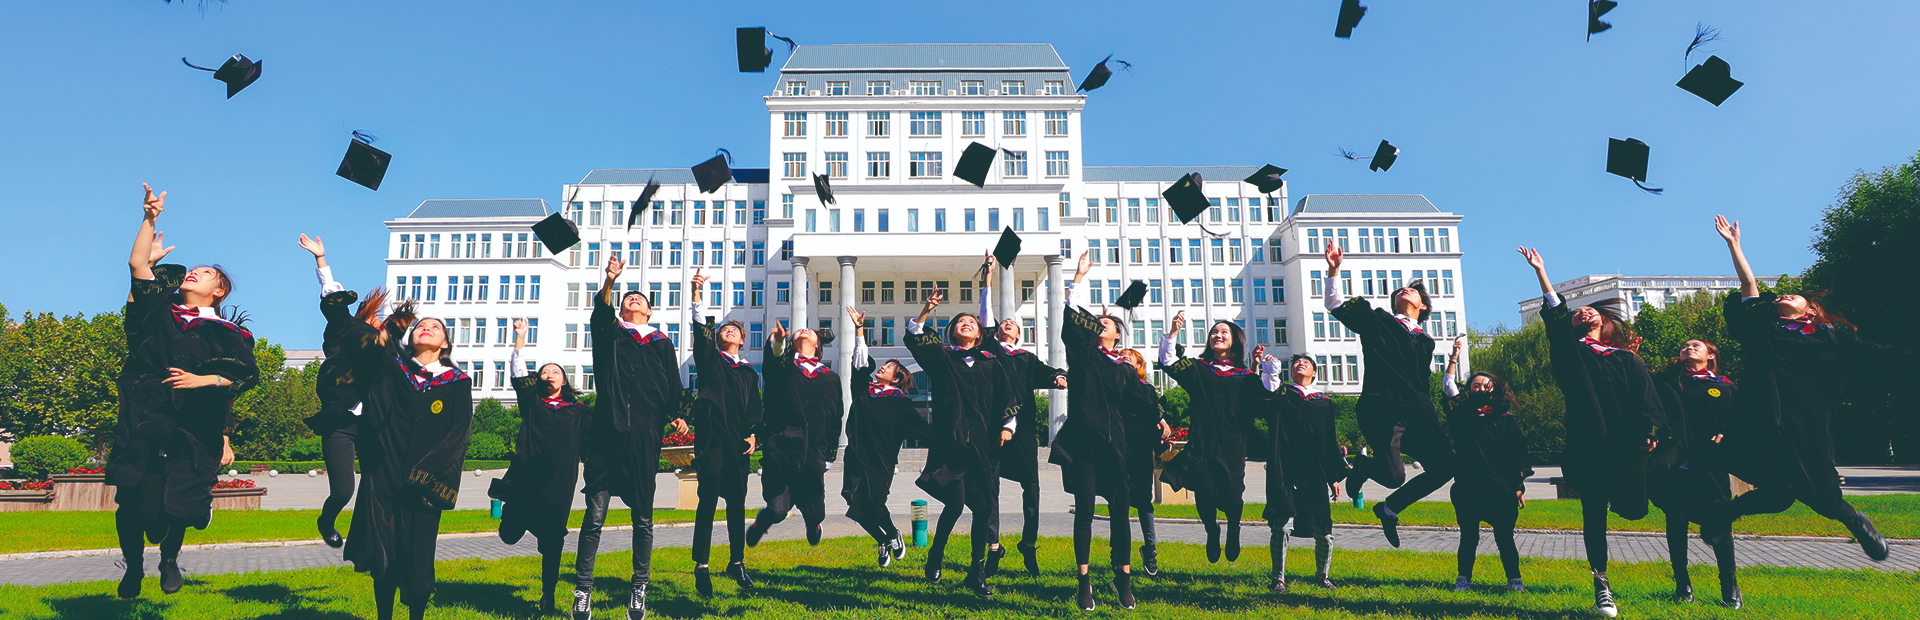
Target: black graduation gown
(1492, 454)
(971, 402)
(725, 413)
(1398, 363)
(175, 433)
(546, 459)
(879, 421)
(335, 386)
(1020, 457)
(1612, 409)
(1688, 472)
(1091, 448)
(1141, 406)
(1307, 454)
(638, 393)
(1223, 401)
(801, 428)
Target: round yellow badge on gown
(1714, 392)
(438, 405)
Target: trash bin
(919, 523)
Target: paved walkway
(1626, 547)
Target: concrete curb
(78, 553)
(1449, 528)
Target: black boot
(170, 578)
(328, 534)
(1682, 584)
(1150, 560)
(130, 582)
(935, 558)
(814, 532)
(738, 571)
(754, 532)
(1389, 523)
(1233, 542)
(1213, 546)
(977, 580)
(994, 555)
(702, 581)
(637, 602)
(1870, 539)
(1730, 594)
(1031, 553)
(546, 601)
(1123, 588)
(1085, 593)
(582, 605)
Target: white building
(1638, 291)
(886, 123)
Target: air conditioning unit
(994, 91)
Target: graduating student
(639, 393)
(538, 487)
(338, 421)
(882, 416)
(1396, 408)
(185, 364)
(1020, 456)
(1226, 397)
(1147, 432)
(1091, 448)
(1613, 416)
(724, 417)
(1797, 367)
(974, 413)
(1306, 466)
(1490, 486)
(1688, 479)
(800, 430)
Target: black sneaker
(1603, 598)
(1516, 585)
(932, 569)
(898, 547)
(702, 582)
(814, 532)
(738, 571)
(331, 536)
(637, 603)
(1683, 593)
(977, 580)
(1233, 542)
(885, 555)
(1123, 589)
(130, 582)
(1213, 547)
(170, 578)
(582, 605)
(1327, 584)
(1031, 554)
(1150, 560)
(754, 532)
(1389, 523)
(994, 554)
(1870, 539)
(1730, 596)
(1084, 594)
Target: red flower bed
(676, 440)
(87, 470)
(1179, 434)
(26, 486)
(236, 483)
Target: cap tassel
(791, 46)
(1651, 190)
(364, 137)
(727, 153)
(183, 60)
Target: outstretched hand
(1179, 321)
(1533, 258)
(699, 286)
(614, 267)
(159, 249)
(1729, 231)
(933, 301)
(1086, 264)
(153, 204)
(1334, 257)
(859, 318)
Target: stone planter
(238, 499)
(688, 495)
(679, 456)
(25, 501)
(81, 492)
(1163, 494)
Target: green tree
(1173, 405)
(491, 417)
(272, 416)
(57, 376)
(1521, 358)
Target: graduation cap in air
(822, 190)
(238, 72)
(1383, 157)
(1100, 74)
(1267, 179)
(1596, 8)
(1007, 249)
(713, 173)
(558, 233)
(1131, 299)
(641, 204)
(751, 44)
(1628, 158)
(1711, 80)
(364, 164)
(1187, 201)
(974, 164)
(1350, 14)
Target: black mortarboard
(364, 164)
(645, 200)
(558, 233)
(1711, 80)
(1383, 157)
(1267, 178)
(1100, 73)
(821, 190)
(1132, 298)
(1628, 158)
(1350, 14)
(974, 164)
(1596, 8)
(238, 73)
(1008, 249)
(713, 173)
(751, 44)
(1186, 199)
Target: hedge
(301, 467)
(36, 457)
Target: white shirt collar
(640, 329)
(736, 358)
(1307, 390)
(435, 368)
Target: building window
(1153, 251)
(740, 294)
(783, 292)
(879, 124)
(1056, 87)
(993, 218)
(1020, 219)
(913, 220)
(1013, 87)
(973, 87)
(812, 224)
(1015, 163)
(939, 220)
(796, 88)
(879, 164)
(833, 220)
(925, 164)
(1279, 290)
(1135, 253)
(879, 87)
(756, 334)
(971, 124)
(880, 223)
(836, 165)
(1013, 124)
(1066, 201)
(786, 206)
(1056, 123)
(1057, 163)
(836, 124)
(826, 292)
(859, 220)
(759, 212)
(759, 253)
(837, 89)
(923, 124)
(1446, 240)
(924, 89)
(796, 165)
(796, 124)
(533, 294)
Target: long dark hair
(446, 353)
(1236, 354)
(1502, 393)
(1713, 364)
(566, 383)
(1615, 329)
(1426, 303)
(953, 338)
(903, 378)
(232, 314)
(369, 311)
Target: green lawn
(57, 531)
(1895, 515)
(838, 580)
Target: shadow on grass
(107, 606)
(294, 605)
(493, 599)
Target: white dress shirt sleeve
(1270, 374)
(1447, 387)
(1167, 356)
(328, 285)
(1331, 291)
(515, 367)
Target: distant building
(299, 358)
(1638, 291)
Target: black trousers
(1775, 498)
(736, 528)
(878, 522)
(983, 498)
(337, 449)
(1393, 429)
(1029, 513)
(416, 535)
(589, 547)
(786, 490)
(1119, 533)
(1470, 514)
(141, 516)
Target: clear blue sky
(1502, 111)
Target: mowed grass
(59, 531)
(1895, 515)
(839, 580)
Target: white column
(800, 300)
(843, 348)
(1009, 301)
(1056, 349)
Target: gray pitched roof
(664, 176)
(509, 207)
(928, 56)
(1164, 173)
(1365, 203)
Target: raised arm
(916, 325)
(614, 267)
(515, 367)
(1167, 354)
(147, 250)
(861, 360)
(1330, 291)
(1540, 273)
(1730, 232)
(328, 285)
(1447, 385)
(986, 294)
